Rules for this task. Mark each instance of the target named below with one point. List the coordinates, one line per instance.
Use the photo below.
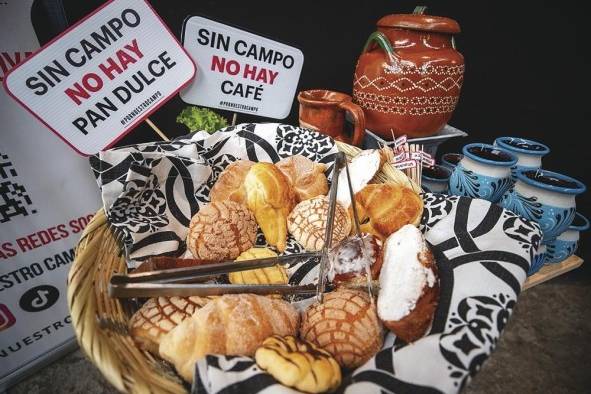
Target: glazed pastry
(409, 286)
(160, 315)
(350, 257)
(276, 275)
(299, 364)
(362, 169)
(305, 176)
(346, 325)
(307, 223)
(233, 324)
(270, 198)
(384, 208)
(221, 230)
(230, 183)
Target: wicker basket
(100, 322)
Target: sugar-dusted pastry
(270, 198)
(307, 223)
(305, 176)
(230, 183)
(221, 230)
(160, 315)
(346, 325)
(349, 258)
(385, 207)
(299, 364)
(362, 169)
(233, 324)
(409, 285)
(276, 275)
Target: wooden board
(550, 271)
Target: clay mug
(435, 179)
(565, 245)
(324, 111)
(451, 160)
(544, 197)
(529, 153)
(484, 172)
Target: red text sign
(101, 77)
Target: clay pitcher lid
(437, 24)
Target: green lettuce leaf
(197, 119)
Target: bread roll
(275, 275)
(346, 325)
(299, 364)
(384, 208)
(409, 286)
(270, 198)
(305, 176)
(307, 223)
(233, 324)
(160, 315)
(221, 230)
(230, 183)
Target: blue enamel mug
(529, 153)
(545, 197)
(435, 179)
(566, 244)
(484, 172)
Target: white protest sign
(96, 81)
(47, 196)
(240, 71)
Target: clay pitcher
(409, 76)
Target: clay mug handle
(358, 119)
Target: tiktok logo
(6, 317)
(39, 298)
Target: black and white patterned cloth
(151, 191)
(483, 253)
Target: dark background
(525, 66)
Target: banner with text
(101, 77)
(240, 71)
(47, 197)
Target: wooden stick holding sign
(157, 130)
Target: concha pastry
(275, 275)
(233, 324)
(346, 325)
(307, 223)
(230, 183)
(160, 315)
(221, 230)
(305, 176)
(270, 198)
(385, 207)
(299, 364)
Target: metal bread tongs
(339, 163)
(184, 282)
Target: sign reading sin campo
(240, 71)
(101, 77)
